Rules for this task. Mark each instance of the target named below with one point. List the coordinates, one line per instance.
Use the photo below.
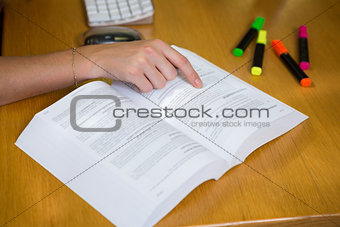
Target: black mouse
(112, 34)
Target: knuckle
(134, 71)
(157, 42)
(141, 61)
(161, 84)
(173, 73)
(146, 88)
(149, 50)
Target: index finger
(183, 64)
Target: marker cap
(278, 47)
(305, 82)
(262, 37)
(238, 52)
(303, 31)
(304, 65)
(258, 23)
(256, 71)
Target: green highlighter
(249, 36)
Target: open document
(134, 156)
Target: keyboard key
(123, 4)
(146, 5)
(135, 9)
(98, 17)
(90, 3)
(147, 9)
(115, 14)
(91, 12)
(102, 8)
(125, 12)
(148, 2)
(112, 6)
(91, 9)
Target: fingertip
(198, 83)
(161, 84)
(145, 88)
(149, 88)
(172, 75)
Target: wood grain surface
(295, 175)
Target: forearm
(147, 64)
(22, 77)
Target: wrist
(85, 64)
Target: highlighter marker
(256, 68)
(303, 48)
(282, 52)
(249, 36)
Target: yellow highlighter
(256, 68)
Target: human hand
(147, 64)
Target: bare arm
(147, 64)
(22, 77)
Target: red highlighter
(299, 74)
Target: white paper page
(127, 185)
(219, 133)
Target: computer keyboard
(114, 12)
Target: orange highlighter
(299, 74)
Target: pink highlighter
(303, 48)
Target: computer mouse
(111, 34)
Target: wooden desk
(302, 165)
